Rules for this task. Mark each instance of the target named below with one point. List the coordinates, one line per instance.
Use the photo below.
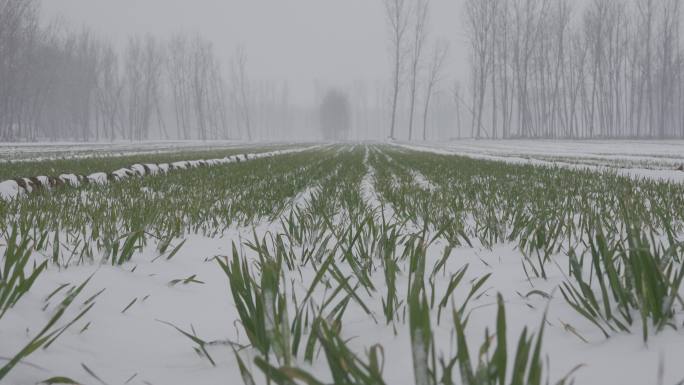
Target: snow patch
(98, 178)
(10, 190)
(70, 179)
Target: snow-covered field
(66, 150)
(343, 232)
(11, 189)
(639, 158)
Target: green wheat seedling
(526, 367)
(200, 345)
(186, 281)
(261, 305)
(125, 246)
(422, 343)
(636, 277)
(454, 282)
(14, 283)
(391, 303)
(345, 367)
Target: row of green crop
(624, 234)
(86, 166)
(350, 244)
(337, 257)
(110, 224)
(110, 220)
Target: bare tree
(480, 18)
(241, 84)
(439, 55)
(201, 60)
(55, 83)
(419, 35)
(397, 13)
(18, 38)
(144, 63)
(667, 55)
(647, 11)
(178, 72)
(109, 92)
(456, 92)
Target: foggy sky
(332, 42)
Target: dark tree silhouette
(334, 115)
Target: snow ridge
(11, 189)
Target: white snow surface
(45, 181)
(71, 150)
(70, 179)
(10, 189)
(650, 159)
(98, 178)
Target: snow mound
(10, 189)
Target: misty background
(102, 70)
(333, 42)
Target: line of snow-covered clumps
(14, 188)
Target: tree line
(408, 24)
(552, 69)
(538, 69)
(546, 69)
(59, 84)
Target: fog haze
(332, 42)
(415, 70)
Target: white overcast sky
(331, 41)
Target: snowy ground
(10, 189)
(135, 347)
(657, 160)
(117, 346)
(66, 150)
